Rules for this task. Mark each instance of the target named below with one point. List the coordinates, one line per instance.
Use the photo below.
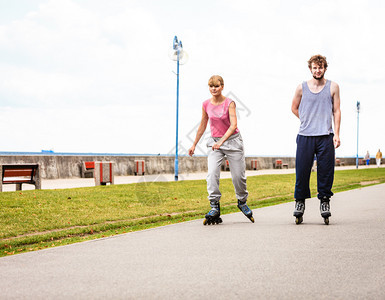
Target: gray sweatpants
(232, 148)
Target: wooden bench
(278, 164)
(19, 174)
(88, 167)
(339, 162)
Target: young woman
(226, 141)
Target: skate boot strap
(214, 204)
(242, 202)
(213, 212)
(299, 204)
(244, 208)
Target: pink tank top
(219, 117)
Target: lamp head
(177, 53)
(175, 43)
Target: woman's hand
(191, 151)
(216, 146)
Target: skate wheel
(298, 220)
(252, 219)
(205, 222)
(326, 220)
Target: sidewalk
(88, 182)
(270, 259)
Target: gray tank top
(316, 111)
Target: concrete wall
(67, 166)
(269, 162)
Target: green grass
(37, 219)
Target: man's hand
(336, 140)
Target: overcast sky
(95, 75)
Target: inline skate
(213, 216)
(325, 209)
(299, 210)
(246, 210)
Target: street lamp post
(178, 48)
(358, 118)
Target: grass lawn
(38, 219)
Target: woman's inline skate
(213, 216)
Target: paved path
(270, 259)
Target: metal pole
(177, 116)
(358, 119)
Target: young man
(317, 104)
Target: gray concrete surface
(270, 259)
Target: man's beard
(319, 78)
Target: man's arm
(296, 100)
(335, 91)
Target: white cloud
(71, 59)
(73, 55)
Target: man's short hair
(318, 60)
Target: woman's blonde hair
(215, 79)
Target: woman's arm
(200, 132)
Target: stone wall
(68, 166)
(55, 166)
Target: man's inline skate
(213, 216)
(246, 210)
(299, 210)
(325, 209)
